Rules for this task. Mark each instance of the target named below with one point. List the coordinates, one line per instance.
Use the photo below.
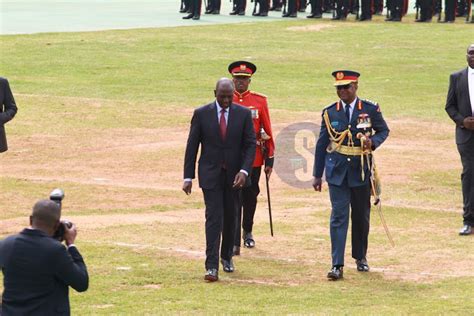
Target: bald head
(224, 92)
(470, 55)
(46, 213)
(224, 83)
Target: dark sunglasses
(344, 87)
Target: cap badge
(339, 75)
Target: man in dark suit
(8, 110)
(460, 107)
(37, 269)
(350, 130)
(225, 132)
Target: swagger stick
(263, 137)
(375, 193)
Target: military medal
(363, 121)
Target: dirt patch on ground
(139, 168)
(310, 28)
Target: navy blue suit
(219, 162)
(37, 271)
(8, 110)
(344, 176)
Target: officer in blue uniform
(350, 130)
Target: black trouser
(316, 7)
(222, 204)
(292, 6)
(239, 5)
(342, 8)
(195, 7)
(461, 7)
(466, 151)
(366, 9)
(277, 4)
(213, 5)
(378, 6)
(449, 10)
(263, 6)
(185, 4)
(249, 205)
(426, 9)
(396, 7)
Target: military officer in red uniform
(242, 72)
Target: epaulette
(328, 107)
(370, 102)
(373, 103)
(259, 94)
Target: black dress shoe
(466, 230)
(393, 19)
(233, 13)
(336, 273)
(263, 14)
(196, 17)
(211, 275)
(216, 12)
(208, 11)
(189, 16)
(241, 13)
(365, 19)
(183, 10)
(249, 242)
(236, 251)
(423, 20)
(362, 265)
(228, 265)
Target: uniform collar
(470, 70)
(241, 95)
(352, 104)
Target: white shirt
(226, 114)
(470, 83)
(351, 110)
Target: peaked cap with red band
(242, 68)
(344, 77)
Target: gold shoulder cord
(335, 136)
(338, 138)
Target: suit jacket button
(348, 159)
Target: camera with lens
(57, 195)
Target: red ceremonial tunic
(257, 103)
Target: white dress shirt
(351, 110)
(470, 83)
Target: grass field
(105, 116)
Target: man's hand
(187, 185)
(317, 184)
(268, 171)
(367, 144)
(70, 234)
(239, 180)
(468, 123)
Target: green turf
(73, 86)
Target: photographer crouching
(37, 268)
